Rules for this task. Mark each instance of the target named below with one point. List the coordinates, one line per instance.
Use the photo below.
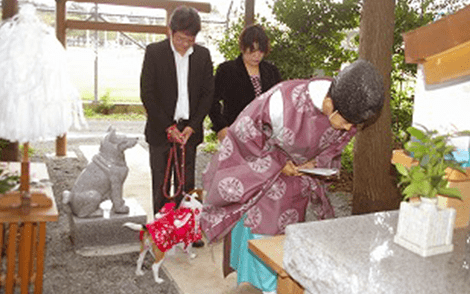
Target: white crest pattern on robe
(226, 149)
(301, 99)
(259, 164)
(216, 213)
(254, 217)
(231, 189)
(246, 130)
(290, 216)
(277, 190)
(308, 184)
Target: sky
(223, 5)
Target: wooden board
(38, 171)
(437, 37)
(451, 64)
(271, 251)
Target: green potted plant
(433, 155)
(424, 227)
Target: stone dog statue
(102, 179)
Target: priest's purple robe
(244, 176)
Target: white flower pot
(424, 228)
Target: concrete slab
(69, 154)
(193, 276)
(205, 273)
(90, 234)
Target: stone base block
(424, 228)
(107, 231)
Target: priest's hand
(290, 169)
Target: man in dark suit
(176, 88)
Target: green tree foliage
(409, 15)
(313, 34)
(306, 37)
(228, 45)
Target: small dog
(102, 179)
(171, 227)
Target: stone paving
(69, 272)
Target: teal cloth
(462, 157)
(250, 268)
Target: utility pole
(96, 43)
(249, 12)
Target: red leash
(179, 169)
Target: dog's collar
(103, 162)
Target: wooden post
(11, 258)
(2, 234)
(10, 152)
(249, 12)
(25, 256)
(24, 179)
(9, 8)
(61, 141)
(40, 258)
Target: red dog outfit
(166, 234)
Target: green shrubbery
(7, 181)
(104, 105)
(434, 155)
(210, 137)
(106, 109)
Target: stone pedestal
(424, 228)
(106, 235)
(357, 255)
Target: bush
(347, 157)
(211, 142)
(7, 181)
(105, 106)
(401, 105)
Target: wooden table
(271, 251)
(30, 229)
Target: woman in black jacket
(239, 81)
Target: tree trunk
(374, 186)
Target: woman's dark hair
(357, 92)
(185, 19)
(254, 34)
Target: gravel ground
(67, 272)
